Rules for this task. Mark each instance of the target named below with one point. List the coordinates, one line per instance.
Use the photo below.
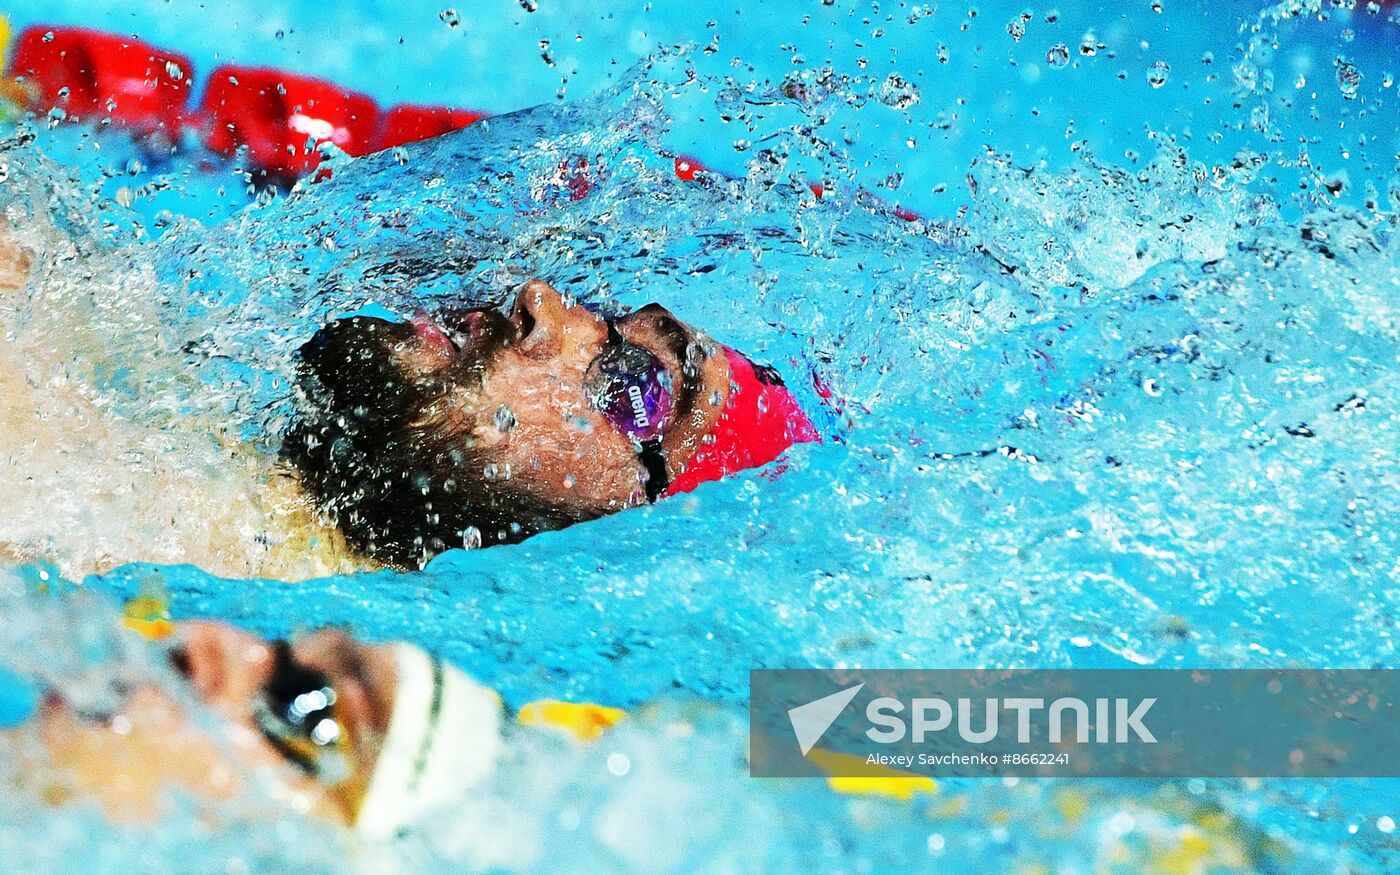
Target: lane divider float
(80, 75)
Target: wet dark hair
(402, 484)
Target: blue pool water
(1178, 346)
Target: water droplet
(1348, 77)
(1058, 56)
(173, 70)
(1157, 74)
(48, 36)
(1017, 28)
(529, 5)
(898, 93)
(618, 763)
(471, 537)
(505, 419)
(449, 17)
(569, 481)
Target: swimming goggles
(295, 710)
(632, 390)
(443, 736)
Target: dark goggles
(633, 392)
(295, 710)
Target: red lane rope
(103, 78)
(93, 76)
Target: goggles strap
(654, 460)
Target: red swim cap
(760, 419)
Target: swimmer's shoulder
(16, 263)
(301, 542)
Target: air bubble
(449, 17)
(1058, 56)
(1157, 74)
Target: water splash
(1088, 424)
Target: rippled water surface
(1123, 396)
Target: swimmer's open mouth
(470, 333)
(451, 332)
(435, 337)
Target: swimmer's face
(477, 405)
(129, 761)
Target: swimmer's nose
(544, 321)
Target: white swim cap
(444, 736)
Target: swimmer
(475, 427)
(369, 736)
(465, 428)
